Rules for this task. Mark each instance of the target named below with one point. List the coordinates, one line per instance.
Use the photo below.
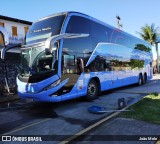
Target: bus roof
(69, 13)
(62, 13)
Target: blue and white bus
(70, 54)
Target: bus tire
(145, 78)
(140, 80)
(92, 90)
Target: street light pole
(157, 40)
(157, 56)
(119, 25)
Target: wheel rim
(91, 89)
(140, 81)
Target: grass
(147, 109)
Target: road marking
(93, 126)
(30, 125)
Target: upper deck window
(78, 24)
(44, 29)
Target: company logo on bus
(40, 30)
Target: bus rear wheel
(140, 80)
(92, 90)
(145, 78)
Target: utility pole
(157, 56)
(156, 44)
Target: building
(16, 28)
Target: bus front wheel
(92, 90)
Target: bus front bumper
(45, 95)
(42, 96)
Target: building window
(2, 24)
(14, 31)
(25, 30)
(1, 40)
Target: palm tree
(148, 33)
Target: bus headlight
(53, 85)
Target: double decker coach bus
(70, 54)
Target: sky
(134, 13)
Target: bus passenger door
(71, 72)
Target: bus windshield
(35, 60)
(43, 29)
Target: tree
(148, 33)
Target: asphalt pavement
(126, 130)
(8, 97)
(69, 117)
(123, 131)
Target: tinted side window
(120, 65)
(100, 31)
(97, 65)
(78, 45)
(74, 49)
(78, 25)
(68, 63)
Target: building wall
(20, 31)
(9, 67)
(20, 27)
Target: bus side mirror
(54, 47)
(47, 51)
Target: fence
(16, 39)
(8, 70)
